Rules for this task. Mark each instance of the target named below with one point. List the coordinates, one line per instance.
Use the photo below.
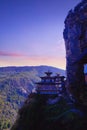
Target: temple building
(50, 84)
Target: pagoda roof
(46, 77)
(52, 77)
(48, 72)
(47, 83)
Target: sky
(31, 32)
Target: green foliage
(38, 114)
(5, 124)
(32, 114)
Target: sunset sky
(31, 32)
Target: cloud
(20, 59)
(11, 54)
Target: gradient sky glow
(31, 32)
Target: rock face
(75, 36)
(48, 112)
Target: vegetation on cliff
(38, 113)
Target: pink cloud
(19, 59)
(12, 54)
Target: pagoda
(50, 84)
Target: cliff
(75, 36)
(42, 112)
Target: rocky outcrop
(42, 112)
(75, 36)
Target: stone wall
(75, 36)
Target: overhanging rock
(75, 36)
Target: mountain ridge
(7, 68)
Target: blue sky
(31, 32)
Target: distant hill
(16, 83)
(39, 69)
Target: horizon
(33, 66)
(32, 32)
